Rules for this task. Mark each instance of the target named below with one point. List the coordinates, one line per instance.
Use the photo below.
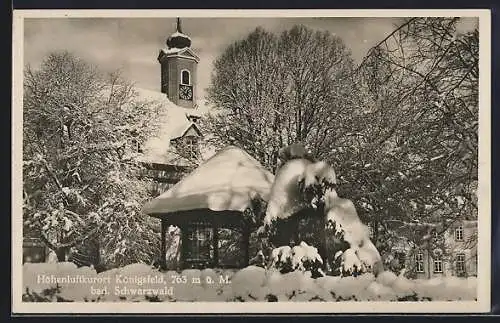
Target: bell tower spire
(178, 39)
(178, 68)
(179, 27)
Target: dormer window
(185, 77)
(190, 141)
(459, 233)
(191, 144)
(186, 146)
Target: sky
(132, 44)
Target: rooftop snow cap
(178, 39)
(229, 180)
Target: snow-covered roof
(185, 52)
(172, 118)
(179, 34)
(173, 50)
(229, 180)
(182, 129)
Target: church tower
(178, 69)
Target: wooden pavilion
(217, 195)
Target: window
(191, 141)
(231, 249)
(438, 266)
(185, 77)
(420, 262)
(137, 146)
(199, 243)
(459, 233)
(33, 254)
(190, 146)
(460, 265)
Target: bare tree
(274, 90)
(416, 158)
(400, 129)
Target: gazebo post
(323, 251)
(184, 246)
(163, 259)
(215, 242)
(246, 246)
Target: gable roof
(229, 180)
(182, 129)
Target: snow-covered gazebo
(215, 195)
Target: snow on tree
(294, 179)
(82, 132)
(415, 153)
(342, 218)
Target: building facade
(453, 253)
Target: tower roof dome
(178, 39)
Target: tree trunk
(215, 244)
(246, 247)
(163, 245)
(62, 254)
(428, 260)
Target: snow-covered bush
(304, 192)
(343, 221)
(302, 258)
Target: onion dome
(178, 39)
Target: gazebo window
(199, 243)
(230, 248)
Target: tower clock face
(185, 92)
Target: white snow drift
(139, 282)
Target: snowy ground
(138, 282)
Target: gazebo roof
(228, 181)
